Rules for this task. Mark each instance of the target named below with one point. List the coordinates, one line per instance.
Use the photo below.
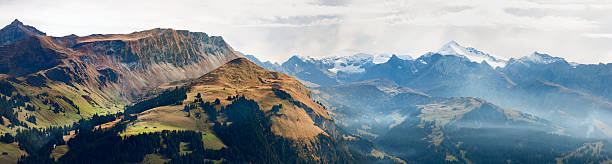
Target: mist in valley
(477, 115)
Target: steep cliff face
(142, 60)
(29, 55)
(151, 58)
(100, 72)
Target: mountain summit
(246, 78)
(453, 48)
(540, 58)
(17, 31)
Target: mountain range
(536, 95)
(420, 128)
(175, 96)
(539, 84)
(145, 83)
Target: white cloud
(598, 35)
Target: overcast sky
(578, 30)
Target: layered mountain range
(540, 84)
(440, 96)
(174, 96)
(420, 128)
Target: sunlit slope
(267, 106)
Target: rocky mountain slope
(59, 80)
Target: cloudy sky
(578, 30)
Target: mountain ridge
(540, 84)
(76, 77)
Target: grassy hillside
(239, 112)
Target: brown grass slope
(242, 77)
(303, 127)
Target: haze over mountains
(561, 97)
(175, 96)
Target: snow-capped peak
(453, 48)
(307, 58)
(382, 58)
(349, 64)
(356, 63)
(540, 58)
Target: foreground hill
(237, 113)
